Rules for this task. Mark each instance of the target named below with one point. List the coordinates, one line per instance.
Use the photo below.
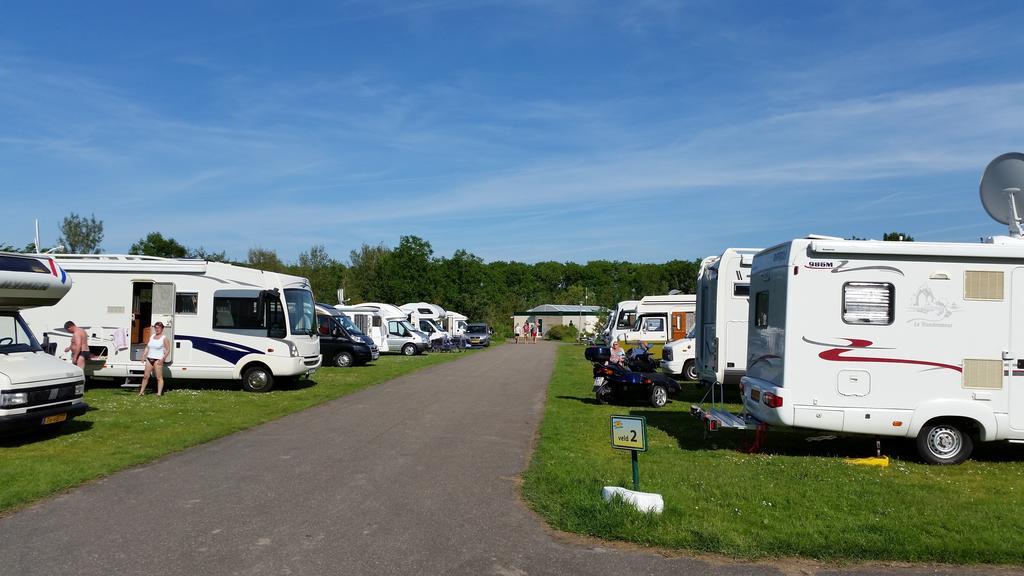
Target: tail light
(771, 400)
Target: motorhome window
(425, 310)
(761, 309)
(186, 303)
(626, 320)
(22, 264)
(15, 336)
(301, 310)
(654, 324)
(868, 303)
(742, 290)
(397, 329)
(237, 312)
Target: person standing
(515, 326)
(533, 332)
(79, 344)
(526, 331)
(153, 359)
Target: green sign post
(630, 433)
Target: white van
(455, 323)
(723, 294)
(401, 336)
(36, 389)
(678, 359)
(224, 321)
(658, 319)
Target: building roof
(562, 309)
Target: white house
(547, 315)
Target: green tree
(325, 274)
(202, 254)
(81, 235)
(897, 237)
(154, 244)
(263, 259)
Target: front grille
(50, 394)
(311, 362)
(666, 354)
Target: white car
(678, 358)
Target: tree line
(411, 272)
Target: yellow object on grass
(881, 461)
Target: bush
(562, 332)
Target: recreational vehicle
(914, 339)
(224, 321)
(720, 332)
(622, 317)
(401, 336)
(455, 323)
(370, 322)
(36, 389)
(659, 319)
(427, 318)
(342, 344)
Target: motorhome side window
(654, 324)
(238, 312)
(741, 290)
(186, 303)
(761, 309)
(870, 303)
(396, 328)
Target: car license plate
(475, 340)
(598, 382)
(311, 371)
(55, 418)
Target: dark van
(341, 342)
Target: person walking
(526, 331)
(153, 359)
(79, 347)
(533, 332)
(515, 326)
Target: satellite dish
(1002, 190)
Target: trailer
(223, 321)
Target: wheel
(659, 396)
(257, 379)
(944, 443)
(409, 350)
(605, 394)
(690, 370)
(342, 360)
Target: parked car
(478, 334)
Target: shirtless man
(79, 344)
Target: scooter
(613, 382)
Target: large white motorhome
(36, 389)
(370, 322)
(427, 318)
(915, 339)
(720, 332)
(659, 319)
(622, 317)
(401, 336)
(224, 321)
(455, 323)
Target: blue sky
(519, 130)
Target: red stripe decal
(836, 355)
(53, 268)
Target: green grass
(122, 430)
(796, 498)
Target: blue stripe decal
(227, 351)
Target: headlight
(80, 389)
(13, 399)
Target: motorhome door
(678, 325)
(163, 311)
(1015, 371)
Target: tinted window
(239, 313)
(22, 264)
(186, 303)
(741, 290)
(761, 309)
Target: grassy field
(795, 498)
(123, 430)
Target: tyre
(342, 360)
(690, 370)
(409, 350)
(605, 394)
(659, 396)
(944, 443)
(257, 379)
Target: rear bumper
(27, 420)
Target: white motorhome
(622, 317)
(427, 318)
(659, 319)
(401, 336)
(455, 323)
(36, 389)
(224, 321)
(720, 332)
(370, 322)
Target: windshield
(15, 335)
(349, 325)
(301, 311)
(476, 329)
(429, 326)
(408, 327)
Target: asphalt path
(418, 475)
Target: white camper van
(622, 317)
(36, 389)
(224, 321)
(678, 358)
(370, 322)
(427, 318)
(720, 332)
(659, 319)
(402, 337)
(915, 339)
(455, 323)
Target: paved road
(414, 476)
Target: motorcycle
(613, 382)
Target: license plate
(311, 371)
(598, 382)
(55, 418)
(475, 340)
